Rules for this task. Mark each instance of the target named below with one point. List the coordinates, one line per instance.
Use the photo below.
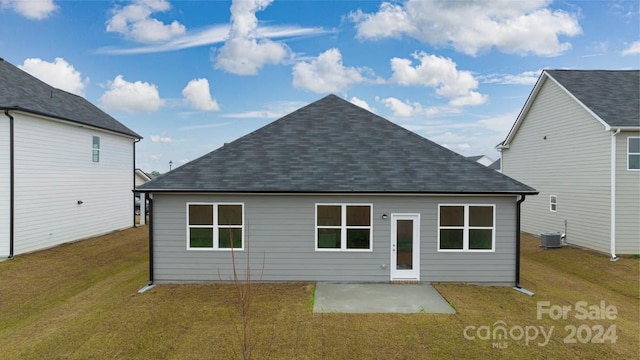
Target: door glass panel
(404, 244)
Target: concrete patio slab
(379, 298)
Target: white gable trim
(534, 94)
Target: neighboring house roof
(331, 146)
(482, 159)
(143, 175)
(495, 165)
(611, 96)
(614, 96)
(22, 92)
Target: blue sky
(191, 75)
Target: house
(140, 206)
(66, 167)
(482, 159)
(577, 141)
(496, 165)
(333, 192)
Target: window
(466, 227)
(553, 203)
(215, 226)
(633, 153)
(96, 149)
(343, 227)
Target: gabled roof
(612, 97)
(495, 165)
(22, 92)
(333, 146)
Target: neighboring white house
(482, 159)
(140, 206)
(577, 141)
(65, 166)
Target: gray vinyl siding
(281, 235)
(573, 162)
(627, 199)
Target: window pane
(329, 238)
(229, 214)
(329, 215)
(480, 239)
(452, 216)
(358, 238)
(226, 235)
(200, 214)
(480, 215)
(451, 239)
(634, 145)
(634, 162)
(201, 238)
(358, 215)
(404, 244)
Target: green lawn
(80, 301)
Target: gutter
(518, 213)
(134, 183)
(614, 257)
(11, 184)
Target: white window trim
(553, 203)
(343, 228)
(93, 150)
(629, 153)
(215, 227)
(466, 228)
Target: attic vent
(550, 240)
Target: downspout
(150, 226)
(518, 212)
(11, 184)
(134, 183)
(613, 195)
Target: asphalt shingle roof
(613, 95)
(21, 91)
(332, 145)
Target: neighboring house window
(96, 149)
(343, 227)
(633, 153)
(466, 227)
(553, 203)
(215, 226)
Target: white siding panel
(281, 231)
(560, 149)
(4, 186)
(54, 170)
(627, 200)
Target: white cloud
(524, 78)
(634, 48)
(134, 21)
(59, 74)
(448, 137)
(31, 9)
(326, 73)
(158, 138)
(514, 27)
(363, 104)
(500, 124)
(271, 111)
(197, 94)
(244, 53)
(132, 97)
(402, 108)
(440, 73)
